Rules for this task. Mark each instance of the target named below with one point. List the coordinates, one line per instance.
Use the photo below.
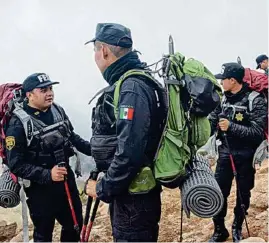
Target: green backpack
(192, 92)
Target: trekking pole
(235, 174)
(86, 219)
(239, 60)
(94, 211)
(60, 160)
(25, 226)
(171, 45)
(93, 176)
(69, 198)
(181, 225)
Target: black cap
(231, 70)
(113, 34)
(260, 59)
(37, 80)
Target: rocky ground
(194, 229)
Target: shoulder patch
(10, 142)
(126, 113)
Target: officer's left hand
(91, 188)
(224, 124)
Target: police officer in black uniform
(244, 126)
(128, 141)
(34, 155)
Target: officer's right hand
(58, 173)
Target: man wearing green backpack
(127, 126)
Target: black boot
(220, 232)
(237, 228)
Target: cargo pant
(135, 218)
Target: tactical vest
(43, 140)
(104, 139)
(239, 112)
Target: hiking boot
(237, 228)
(220, 232)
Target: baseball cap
(260, 59)
(231, 70)
(37, 80)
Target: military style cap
(113, 34)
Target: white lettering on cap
(43, 77)
(222, 69)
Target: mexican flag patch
(126, 113)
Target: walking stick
(60, 160)
(85, 232)
(181, 225)
(69, 198)
(94, 211)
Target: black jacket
(138, 129)
(27, 165)
(246, 129)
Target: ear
(104, 51)
(233, 81)
(29, 95)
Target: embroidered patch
(10, 142)
(126, 113)
(239, 116)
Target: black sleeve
(257, 118)
(16, 146)
(132, 127)
(81, 145)
(214, 119)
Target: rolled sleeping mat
(200, 193)
(9, 190)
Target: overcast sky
(48, 36)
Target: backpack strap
(118, 84)
(98, 93)
(47, 128)
(57, 112)
(251, 98)
(26, 122)
(223, 100)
